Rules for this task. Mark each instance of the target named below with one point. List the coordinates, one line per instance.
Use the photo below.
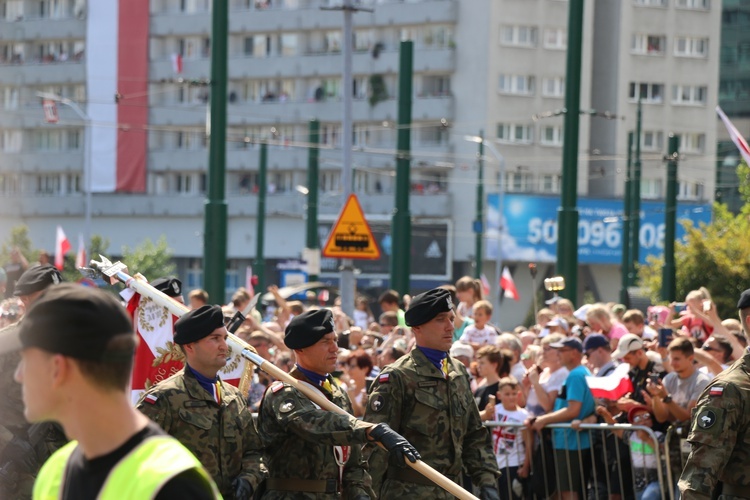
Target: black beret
(168, 285)
(197, 324)
(72, 320)
(37, 278)
(743, 303)
(427, 305)
(307, 328)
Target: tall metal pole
(313, 244)
(401, 225)
(635, 224)
(215, 232)
(626, 216)
(567, 242)
(479, 221)
(668, 280)
(260, 262)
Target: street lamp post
(87, 181)
(501, 205)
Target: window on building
(652, 140)
(9, 97)
(556, 38)
(689, 94)
(516, 84)
(436, 85)
(692, 143)
(11, 141)
(48, 184)
(642, 43)
(288, 44)
(519, 182)
(685, 46)
(9, 184)
(11, 10)
(651, 188)
(553, 86)
(432, 135)
(549, 183)
(687, 190)
(693, 4)
(513, 133)
(73, 184)
(330, 181)
(332, 41)
(551, 135)
(518, 36)
(651, 3)
(648, 92)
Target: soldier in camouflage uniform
(205, 414)
(426, 396)
(309, 451)
(719, 464)
(23, 447)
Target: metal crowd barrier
(603, 469)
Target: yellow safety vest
(139, 475)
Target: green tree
(19, 237)
(98, 245)
(152, 260)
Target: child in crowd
(510, 442)
(688, 321)
(643, 450)
(362, 314)
(481, 332)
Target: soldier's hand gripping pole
(117, 272)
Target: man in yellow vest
(77, 347)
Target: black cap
(307, 328)
(168, 285)
(197, 324)
(37, 278)
(427, 305)
(72, 320)
(743, 303)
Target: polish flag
(614, 386)
(737, 138)
(81, 255)
(508, 286)
(62, 246)
(485, 285)
(177, 63)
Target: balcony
(43, 29)
(43, 161)
(43, 73)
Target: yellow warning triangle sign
(351, 236)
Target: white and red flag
(508, 285)
(81, 254)
(62, 246)
(157, 357)
(485, 285)
(177, 63)
(737, 138)
(614, 386)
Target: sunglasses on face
(641, 418)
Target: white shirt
(549, 382)
(481, 336)
(507, 442)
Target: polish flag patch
(716, 391)
(151, 399)
(384, 378)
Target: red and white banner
(177, 63)
(50, 111)
(508, 285)
(62, 246)
(81, 254)
(485, 286)
(737, 138)
(614, 386)
(117, 33)
(157, 357)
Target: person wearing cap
(426, 396)
(718, 463)
(630, 350)
(23, 447)
(207, 415)
(77, 345)
(598, 355)
(169, 286)
(310, 452)
(575, 402)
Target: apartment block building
(495, 67)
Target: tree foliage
(98, 245)
(19, 237)
(152, 260)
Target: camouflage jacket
(437, 415)
(299, 439)
(720, 437)
(223, 437)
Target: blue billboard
(530, 229)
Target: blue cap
(570, 342)
(594, 341)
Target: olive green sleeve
(384, 405)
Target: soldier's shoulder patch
(286, 406)
(377, 403)
(708, 419)
(716, 391)
(384, 378)
(150, 399)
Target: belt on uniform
(735, 490)
(306, 485)
(409, 476)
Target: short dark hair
(389, 318)
(502, 357)
(114, 373)
(362, 359)
(682, 344)
(389, 297)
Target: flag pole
(118, 272)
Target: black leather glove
(489, 493)
(22, 454)
(242, 489)
(398, 447)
